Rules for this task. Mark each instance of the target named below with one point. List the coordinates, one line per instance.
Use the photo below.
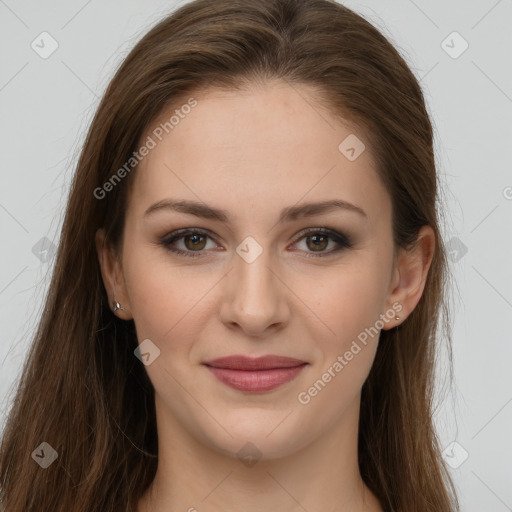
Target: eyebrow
(288, 214)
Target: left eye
(194, 241)
(318, 241)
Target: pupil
(316, 239)
(195, 239)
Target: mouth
(255, 374)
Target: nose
(255, 298)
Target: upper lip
(239, 362)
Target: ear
(410, 275)
(112, 274)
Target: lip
(255, 374)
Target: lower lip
(256, 381)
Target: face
(264, 277)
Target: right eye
(193, 241)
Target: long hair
(83, 392)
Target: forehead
(264, 146)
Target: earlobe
(111, 273)
(412, 268)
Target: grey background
(47, 104)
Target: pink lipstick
(255, 374)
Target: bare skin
(254, 153)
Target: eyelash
(342, 240)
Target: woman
(244, 308)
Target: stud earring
(116, 305)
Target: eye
(317, 240)
(194, 241)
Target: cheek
(350, 299)
(168, 310)
(170, 306)
(161, 296)
(154, 298)
(349, 305)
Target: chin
(260, 436)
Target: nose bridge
(253, 278)
(256, 298)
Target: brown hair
(84, 392)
